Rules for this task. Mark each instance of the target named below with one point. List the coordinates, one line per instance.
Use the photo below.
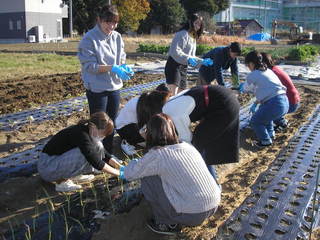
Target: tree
(130, 11)
(210, 6)
(169, 14)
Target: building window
(19, 25)
(10, 25)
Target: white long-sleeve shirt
(179, 109)
(128, 114)
(186, 181)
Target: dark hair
(150, 103)
(163, 87)
(255, 58)
(101, 120)
(161, 131)
(108, 13)
(189, 26)
(235, 47)
(267, 59)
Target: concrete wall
(44, 6)
(47, 20)
(9, 6)
(10, 24)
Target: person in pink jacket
(292, 92)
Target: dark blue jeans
(108, 102)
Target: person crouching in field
(127, 120)
(292, 92)
(77, 150)
(174, 179)
(223, 58)
(270, 95)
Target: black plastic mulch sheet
(280, 205)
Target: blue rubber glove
(193, 62)
(127, 69)
(207, 62)
(253, 108)
(122, 74)
(121, 171)
(241, 87)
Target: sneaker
(260, 144)
(83, 178)
(161, 228)
(127, 148)
(67, 186)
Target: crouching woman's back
(174, 179)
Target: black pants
(131, 133)
(176, 73)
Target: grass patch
(22, 65)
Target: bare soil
(24, 197)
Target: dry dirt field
(25, 197)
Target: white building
(31, 20)
(305, 13)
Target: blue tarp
(260, 37)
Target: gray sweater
(264, 85)
(185, 178)
(182, 47)
(96, 48)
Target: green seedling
(12, 230)
(67, 230)
(94, 192)
(80, 224)
(68, 198)
(50, 221)
(49, 200)
(109, 196)
(27, 234)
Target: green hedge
(154, 48)
(300, 53)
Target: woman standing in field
(174, 179)
(102, 57)
(270, 94)
(182, 53)
(292, 92)
(77, 150)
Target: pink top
(292, 92)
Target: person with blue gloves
(103, 69)
(223, 58)
(182, 53)
(270, 96)
(175, 180)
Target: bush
(154, 48)
(202, 49)
(303, 53)
(246, 50)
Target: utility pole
(70, 18)
(265, 15)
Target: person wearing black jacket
(223, 58)
(77, 150)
